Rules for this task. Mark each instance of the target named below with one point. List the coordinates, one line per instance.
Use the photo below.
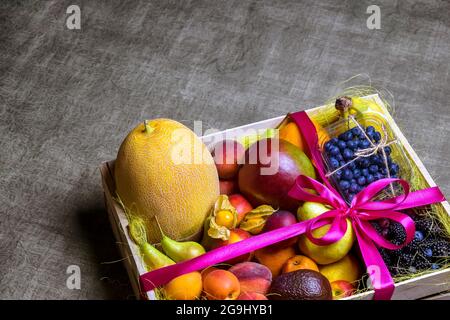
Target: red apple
(341, 289)
(241, 205)
(281, 219)
(269, 172)
(228, 186)
(227, 155)
(236, 235)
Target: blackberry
(428, 226)
(386, 256)
(440, 248)
(405, 260)
(376, 226)
(414, 245)
(421, 263)
(396, 234)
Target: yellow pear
(348, 269)
(323, 254)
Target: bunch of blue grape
(355, 176)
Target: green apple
(323, 254)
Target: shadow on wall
(94, 223)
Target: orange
(291, 133)
(274, 258)
(186, 287)
(298, 263)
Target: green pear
(153, 258)
(323, 254)
(177, 250)
(180, 251)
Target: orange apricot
(185, 287)
(221, 285)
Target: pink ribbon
(360, 212)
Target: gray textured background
(67, 99)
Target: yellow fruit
(186, 287)
(291, 133)
(348, 269)
(163, 169)
(329, 253)
(323, 254)
(225, 219)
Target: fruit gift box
(328, 203)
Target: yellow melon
(163, 169)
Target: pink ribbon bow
(360, 212)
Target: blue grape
(351, 165)
(363, 144)
(365, 172)
(365, 163)
(334, 163)
(342, 145)
(370, 129)
(334, 151)
(356, 173)
(356, 131)
(339, 157)
(377, 136)
(344, 184)
(353, 188)
(370, 178)
(347, 175)
(352, 144)
(393, 169)
(328, 146)
(348, 154)
(373, 168)
(387, 150)
(375, 159)
(347, 135)
(362, 181)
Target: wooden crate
(424, 286)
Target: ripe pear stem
(147, 127)
(159, 227)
